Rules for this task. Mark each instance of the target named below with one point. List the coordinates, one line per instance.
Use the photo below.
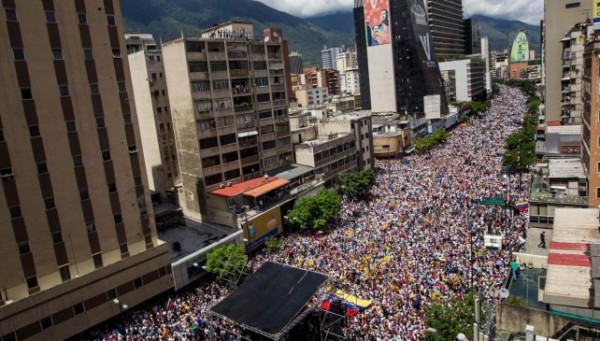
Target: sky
(529, 11)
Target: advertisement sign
(596, 13)
(432, 105)
(520, 49)
(262, 227)
(377, 22)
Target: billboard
(520, 49)
(432, 104)
(377, 22)
(261, 227)
(596, 13)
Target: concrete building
(590, 153)
(320, 78)
(346, 61)
(446, 25)
(307, 97)
(78, 240)
(156, 124)
(139, 41)
(396, 74)
(468, 78)
(343, 103)
(391, 136)
(572, 72)
(329, 57)
(472, 36)
(329, 156)
(350, 81)
(486, 56)
(229, 111)
(296, 63)
(559, 18)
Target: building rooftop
(190, 238)
(356, 115)
(243, 187)
(569, 280)
(542, 193)
(565, 168)
(293, 171)
(321, 140)
(566, 130)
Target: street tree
(356, 184)
(226, 260)
(446, 321)
(315, 212)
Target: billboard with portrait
(520, 49)
(377, 22)
(261, 227)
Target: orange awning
(266, 188)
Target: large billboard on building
(377, 22)
(520, 49)
(596, 13)
(261, 227)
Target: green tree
(495, 88)
(226, 260)
(272, 244)
(425, 143)
(478, 106)
(449, 320)
(356, 184)
(315, 212)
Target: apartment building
(446, 25)
(229, 112)
(309, 97)
(152, 106)
(78, 242)
(590, 152)
(466, 78)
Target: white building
(329, 56)
(485, 55)
(346, 60)
(350, 81)
(469, 78)
(308, 97)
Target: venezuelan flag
(522, 206)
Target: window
(159, 110)
(26, 93)
(106, 155)
(84, 194)
(100, 122)
(32, 282)
(118, 218)
(598, 192)
(572, 5)
(42, 168)
(123, 248)
(97, 260)
(18, 54)
(116, 53)
(87, 54)
(49, 203)
(158, 59)
(112, 187)
(34, 131)
(151, 58)
(137, 180)
(63, 90)
(122, 87)
(221, 84)
(11, 14)
(1, 135)
(111, 294)
(46, 323)
(15, 211)
(57, 237)
(65, 273)
(90, 226)
(57, 54)
(94, 88)
(198, 66)
(127, 118)
(228, 139)
(138, 282)
(78, 308)
(261, 81)
(132, 149)
(111, 20)
(71, 126)
(50, 17)
(6, 174)
(81, 18)
(24, 248)
(202, 106)
(200, 86)
(77, 161)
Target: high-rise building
(472, 36)
(296, 64)
(229, 111)
(590, 153)
(156, 126)
(329, 56)
(346, 60)
(559, 17)
(319, 78)
(446, 24)
(78, 242)
(396, 57)
(466, 77)
(486, 56)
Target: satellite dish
(504, 293)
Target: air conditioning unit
(229, 184)
(222, 186)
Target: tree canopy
(520, 146)
(226, 260)
(356, 184)
(425, 143)
(315, 212)
(448, 320)
(478, 106)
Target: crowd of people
(417, 238)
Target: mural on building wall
(520, 49)
(377, 22)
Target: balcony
(209, 151)
(269, 152)
(220, 93)
(260, 73)
(280, 102)
(227, 130)
(233, 147)
(196, 56)
(277, 88)
(285, 148)
(207, 133)
(218, 55)
(237, 55)
(211, 170)
(230, 165)
(336, 156)
(262, 90)
(198, 76)
(239, 73)
(267, 137)
(199, 95)
(266, 121)
(241, 90)
(250, 159)
(263, 106)
(566, 89)
(201, 115)
(277, 72)
(242, 107)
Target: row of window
(63, 90)
(87, 305)
(11, 15)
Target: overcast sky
(529, 11)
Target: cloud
(530, 11)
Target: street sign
(493, 201)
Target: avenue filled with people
(416, 239)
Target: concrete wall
(514, 319)
(537, 261)
(381, 78)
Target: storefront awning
(266, 188)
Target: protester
(417, 239)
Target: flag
(522, 206)
(350, 312)
(325, 304)
(169, 304)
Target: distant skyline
(528, 11)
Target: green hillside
(167, 19)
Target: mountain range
(169, 19)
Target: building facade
(446, 24)
(156, 125)
(350, 81)
(572, 72)
(396, 56)
(559, 18)
(590, 152)
(296, 63)
(466, 78)
(229, 111)
(472, 36)
(78, 242)
(309, 97)
(329, 56)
